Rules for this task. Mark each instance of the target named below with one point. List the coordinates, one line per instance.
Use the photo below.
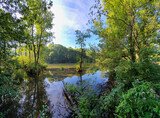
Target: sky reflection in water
(48, 89)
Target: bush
(109, 102)
(62, 68)
(141, 101)
(85, 99)
(43, 112)
(8, 91)
(29, 65)
(135, 94)
(127, 72)
(77, 67)
(19, 74)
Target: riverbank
(64, 65)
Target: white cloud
(77, 13)
(70, 15)
(58, 21)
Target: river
(47, 89)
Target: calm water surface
(48, 90)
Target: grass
(62, 70)
(64, 65)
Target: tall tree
(81, 42)
(39, 19)
(126, 27)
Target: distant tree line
(56, 53)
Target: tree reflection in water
(39, 91)
(32, 96)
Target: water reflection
(98, 77)
(33, 96)
(55, 90)
(59, 75)
(48, 90)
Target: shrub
(85, 99)
(43, 112)
(77, 67)
(126, 98)
(29, 65)
(108, 102)
(8, 91)
(141, 101)
(19, 74)
(62, 68)
(144, 68)
(127, 72)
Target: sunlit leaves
(129, 26)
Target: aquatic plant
(43, 112)
(85, 100)
(62, 68)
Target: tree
(129, 32)
(81, 42)
(11, 34)
(39, 20)
(126, 27)
(11, 28)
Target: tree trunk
(29, 54)
(81, 57)
(15, 53)
(34, 48)
(39, 45)
(0, 64)
(136, 45)
(132, 43)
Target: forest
(128, 53)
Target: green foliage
(2, 114)
(127, 98)
(85, 98)
(129, 34)
(125, 27)
(62, 68)
(108, 102)
(39, 21)
(141, 101)
(77, 67)
(92, 52)
(8, 90)
(71, 88)
(6, 85)
(43, 112)
(60, 54)
(88, 106)
(19, 74)
(127, 72)
(28, 65)
(16, 17)
(11, 28)
(130, 47)
(141, 87)
(50, 73)
(81, 38)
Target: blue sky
(70, 15)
